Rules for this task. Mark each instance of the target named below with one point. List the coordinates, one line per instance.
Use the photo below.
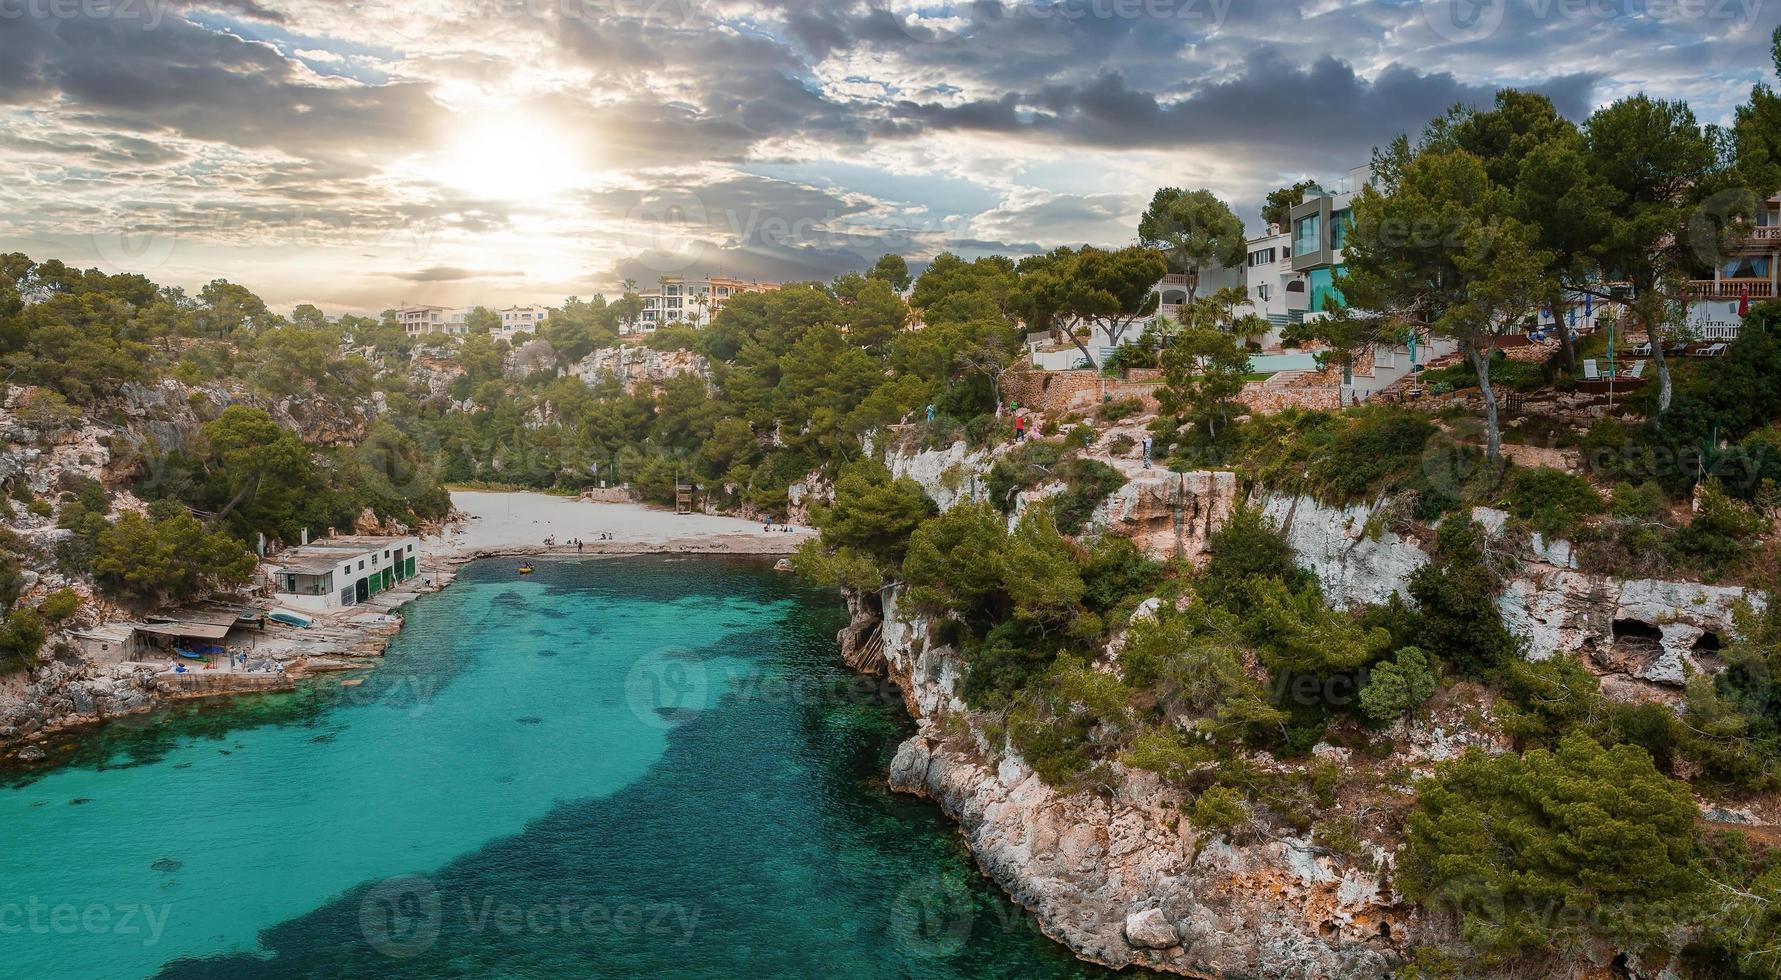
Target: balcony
(1178, 279)
(1170, 311)
(1760, 289)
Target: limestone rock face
(1168, 515)
(636, 367)
(1128, 880)
(1353, 566)
(1652, 631)
(1150, 929)
(949, 476)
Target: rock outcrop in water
(1128, 880)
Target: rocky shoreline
(1127, 880)
(62, 697)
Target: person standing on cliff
(1020, 428)
(1147, 445)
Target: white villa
(337, 572)
(418, 321)
(697, 301)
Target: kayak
(290, 618)
(525, 569)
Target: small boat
(525, 568)
(291, 618)
(188, 654)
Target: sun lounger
(1717, 350)
(1636, 370)
(1640, 350)
(1590, 371)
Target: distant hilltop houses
(674, 299)
(418, 321)
(696, 301)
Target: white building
(419, 320)
(697, 301)
(1277, 293)
(337, 572)
(520, 319)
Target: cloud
(1322, 111)
(450, 273)
(772, 139)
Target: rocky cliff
(1126, 878)
(1129, 880)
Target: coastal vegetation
(1266, 704)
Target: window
(1339, 225)
(1263, 291)
(1324, 294)
(1307, 235)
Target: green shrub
(1556, 503)
(1121, 410)
(1455, 596)
(21, 636)
(1723, 531)
(1400, 685)
(1116, 571)
(1541, 852)
(873, 514)
(1021, 468)
(59, 605)
(1547, 699)
(1089, 483)
(1248, 546)
(1219, 808)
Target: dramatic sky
(357, 154)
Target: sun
(509, 157)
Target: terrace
(1728, 289)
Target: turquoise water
(1275, 363)
(611, 768)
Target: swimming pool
(1274, 363)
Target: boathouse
(339, 572)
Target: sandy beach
(519, 524)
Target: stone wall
(1060, 392)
